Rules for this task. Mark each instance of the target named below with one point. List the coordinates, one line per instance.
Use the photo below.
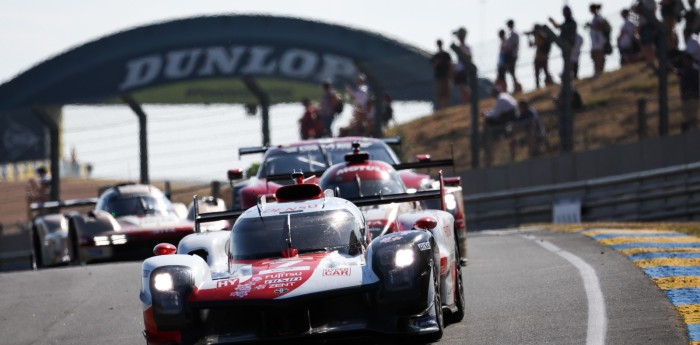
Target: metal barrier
(666, 194)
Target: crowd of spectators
(644, 24)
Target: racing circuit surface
(532, 287)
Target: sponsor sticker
(285, 269)
(337, 271)
(283, 280)
(390, 239)
(282, 290)
(226, 282)
(424, 246)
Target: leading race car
(315, 156)
(305, 267)
(128, 220)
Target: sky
(33, 31)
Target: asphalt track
(533, 287)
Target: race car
(128, 220)
(315, 156)
(305, 267)
(359, 176)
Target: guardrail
(666, 194)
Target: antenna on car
(196, 213)
(290, 251)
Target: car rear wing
(425, 164)
(208, 217)
(404, 197)
(54, 205)
(252, 150)
(392, 141)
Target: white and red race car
(305, 266)
(128, 220)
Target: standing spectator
(692, 47)
(542, 47)
(575, 55)
(647, 31)
(361, 106)
(442, 65)
(310, 126)
(598, 28)
(500, 64)
(692, 18)
(327, 108)
(690, 91)
(39, 191)
(510, 56)
(627, 40)
(387, 111)
(567, 32)
(460, 77)
(671, 11)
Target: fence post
(641, 118)
(215, 189)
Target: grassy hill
(609, 117)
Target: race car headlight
(170, 286)
(403, 257)
(163, 282)
(101, 240)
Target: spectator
(388, 111)
(692, 47)
(39, 191)
(567, 32)
(310, 125)
(504, 111)
(327, 108)
(500, 64)
(692, 18)
(690, 90)
(647, 32)
(529, 122)
(671, 11)
(575, 55)
(510, 54)
(542, 47)
(599, 29)
(361, 107)
(442, 65)
(460, 77)
(627, 41)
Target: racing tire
(439, 316)
(37, 261)
(460, 302)
(75, 257)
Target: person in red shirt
(310, 125)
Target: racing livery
(128, 220)
(305, 267)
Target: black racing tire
(439, 316)
(37, 259)
(460, 301)
(74, 244)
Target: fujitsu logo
(235, 60)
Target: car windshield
(310, 158)
(264, 237)
(135, 205)
(358, 188)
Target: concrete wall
(643, 155)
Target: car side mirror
(164, 249)
(423, 158)
(234, 174)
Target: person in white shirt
(512, 45)
(460, 76)
(505, 109)
(598, 39)
(626, 41)
(692, 47)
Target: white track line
(597, 320)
